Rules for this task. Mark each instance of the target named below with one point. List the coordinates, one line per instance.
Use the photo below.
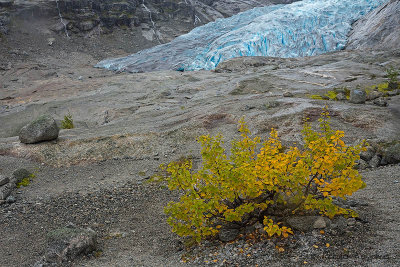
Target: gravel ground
(132, 229)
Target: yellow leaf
(327, 245)
(315, 246)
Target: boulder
(20, 174)
(43, 128)
(392, 153)
(66, 244)
(357, 96)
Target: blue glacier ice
(304, 28)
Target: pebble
(287, 94)
(10, 199)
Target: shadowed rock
(67, 243)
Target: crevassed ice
(304, 28)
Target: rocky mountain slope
(160, 21)
(378, 30)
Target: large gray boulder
(43, 128)
(380, 29)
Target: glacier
(304, 28)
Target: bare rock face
(82, 16)
(380, 29)
(42, 129)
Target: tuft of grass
(68, 122)
(392, 73)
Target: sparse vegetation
(392, 74)
(68, 122)
(26, 181)
(266, 187)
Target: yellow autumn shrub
(256, 183)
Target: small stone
(319, 223)
(249, 229)
(271, 104)
(341, 97)
(381, 102)
(10, 199)
(375, 162)
(43, 128)
(50, 41)
(361, 164)
(339, 224)
(247, 108)
(65, 244)
(4, 180)
(5, 191)
(374, 95)
(228, 234)
(287, 94)
(302, 223)
(351, 222)
(357, 96)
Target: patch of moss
(331, 95)
(316, 97)
(26, 181)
